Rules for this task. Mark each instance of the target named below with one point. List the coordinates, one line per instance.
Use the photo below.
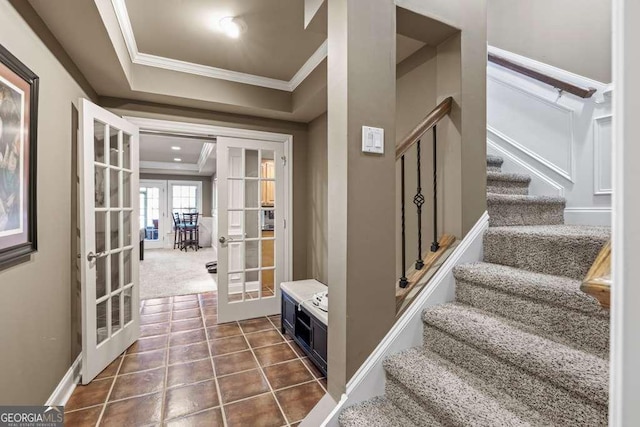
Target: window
(186, 197)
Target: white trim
(536, 174)
(156, 61)
(515, 144)
(365, 383)
(201, 129)
(588, 215)
(67, 384)
(604, 90)
(598, 190)
(207, 149)
(174, 166)
(307, 68)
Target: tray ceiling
(274, 44)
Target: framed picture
(18, 134)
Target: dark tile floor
(188, 370)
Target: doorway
(153, 212)
(250, 192)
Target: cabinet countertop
(302, 292)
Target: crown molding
(171, 64)
(207, 149)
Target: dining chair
(177, 230)
(190, 230)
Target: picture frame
(18, 154)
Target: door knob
(223, 239)
(91, 256)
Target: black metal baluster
(435, 245)
(403, 280)
(418, 200)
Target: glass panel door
(153, 216)
(108, 176)
(251, 212)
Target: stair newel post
(418, 200)
(435, 245)
(403, 280)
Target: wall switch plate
(372, 140)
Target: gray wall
(317, 264)
(35, 296)
(574, 35)
(206, 186)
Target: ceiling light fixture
(176, 148)
(231, 26)
(177, 159)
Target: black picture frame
(16, 79)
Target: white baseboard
(588, 216)
(407, 332)
(63, 391)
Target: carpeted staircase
(521, 344)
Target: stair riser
(569, 257)
(494, 168)
(588, 333)
(509, 214)
(564, 407)
(501, 187)
(410, 404)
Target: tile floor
(188, 370)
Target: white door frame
(164, 226)
(625, 294)
(208, 130)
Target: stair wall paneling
(562, 141)
(369, 380)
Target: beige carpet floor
(168, 272)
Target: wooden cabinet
(267, 190)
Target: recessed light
(175, 148)
(231, 26)
(177, 159)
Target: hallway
(186, 369)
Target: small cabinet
(306, 330)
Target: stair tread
(566, 367)
(452, 394)
(376, 412)
(508, 177)
(557, 290)
(494, 160)
(494, 198)
(572, 231)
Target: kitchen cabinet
(267, 190)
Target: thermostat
(372, 140)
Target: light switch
(372, 140)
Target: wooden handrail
(427, 123)
(598, 280)
(534, 74)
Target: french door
(250, 227)
(153, 214)
(109, 248)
